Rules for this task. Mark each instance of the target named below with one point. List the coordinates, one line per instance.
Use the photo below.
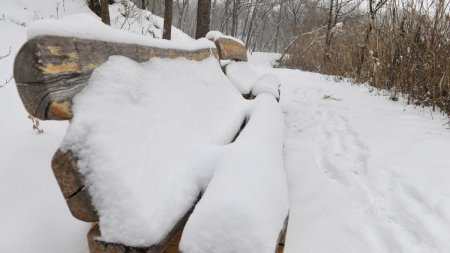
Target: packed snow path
(365, 174)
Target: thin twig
(296, 39)
(6, 82)
(330, 97)
(36, 125)
(1, 57)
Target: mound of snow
(215, 35)
(89, 26)
(262, 60)
(246, 202)
(248, 80)
(147, 116)
(34, 216)
(152, 136)
(124, 16)
(141, 131)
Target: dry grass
(406, 53)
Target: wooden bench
(50, 70)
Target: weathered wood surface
(168, 245)
(229, 49)
(65, 169)
(80, 206)
(51, 70)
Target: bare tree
(203, 18)
(94, 5)
(101, 9)
(167, 19)
(374, 7)
(104, 12)
(278, 24)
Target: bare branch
(36, 126)
(1, 57)
(6, 82)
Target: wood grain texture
(80, 205)
(70, 181)
(65, 169)
(50, 70)
(168, 245)
(229, 49)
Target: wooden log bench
(50, 70)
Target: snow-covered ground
(365, 174)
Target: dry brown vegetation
(403, 47)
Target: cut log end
(231, 50)
(60, 111)
(51, 70)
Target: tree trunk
(203, 18)
(104, 8)
(167, 19)
(235, 17)
(226, 18)
(326, 55)
(94, 5)
(214, 15)
(277, 33)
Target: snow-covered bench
(247, 79)
(149, 138)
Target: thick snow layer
(215, 35)
(141, 22)
(242, 75)
(124, 16)
(142, 132)
(33, 214)
(248, 79)
(365, 174)
(246, 202)
(89, 26)
(24, 12)
(155, 133)
(269, 84)
(263, 61)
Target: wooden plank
(70, 181)
(65, 169)
(50, 70)
(80, 205)
(168, 245)
(229, 49)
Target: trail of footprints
(401, 211)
